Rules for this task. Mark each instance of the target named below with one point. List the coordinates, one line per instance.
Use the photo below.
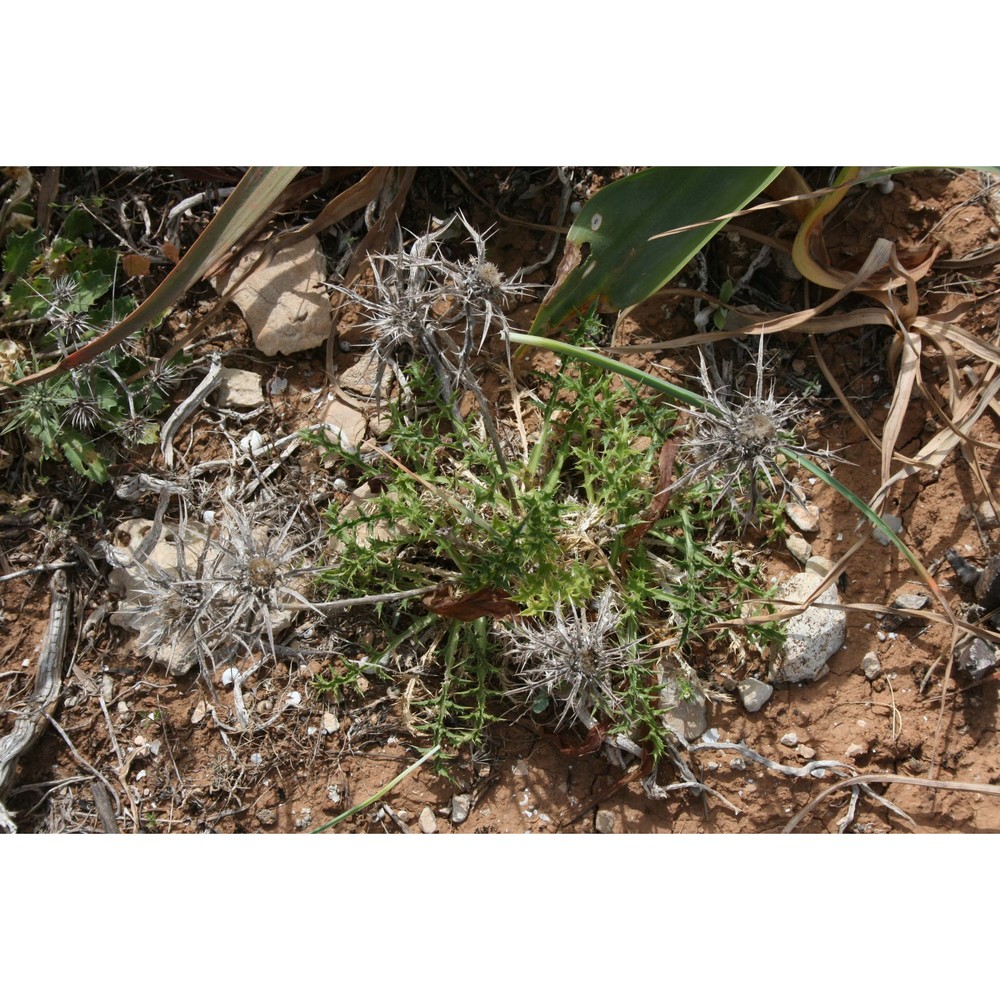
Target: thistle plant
(735, 441)
(64, 295)
(573, 656)
(229, 594)
(422, 305)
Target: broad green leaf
(78, 223)
(621, 261)
(21, 251)
(83, 456)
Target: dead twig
(887, 779)
(48, 686)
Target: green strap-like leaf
(621, 264)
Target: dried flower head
(230, 594)
(575, 657)
(739, 442)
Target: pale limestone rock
(239, 390)
(812, 636)
(283, 301)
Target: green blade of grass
(384, 790)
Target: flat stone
(909, 601)
(682, 700)
(460, 806)
(346, 426)
(789, 740)
(282, 301)
(818, 566)
(239, 390)
(855, 750)
(428, 821)
(604, 821)
(806, 753)
(805, 516)
(362, 378)
(798, 547)
(754, 693)
(871, 666)
(813, 636)
(894, 523)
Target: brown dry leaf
(171, 252)
(135, 265)
(485, 602)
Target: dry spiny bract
(228, 594)
(574, 657)
(419, 298)
(740, 441)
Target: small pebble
(855, 750)
(330, 722)
(460, 806)
(909, 602)
(789, 740)
(738, 764)
(983, 513)
(199, 713)
(871, 666)
(754, 693)
(266, 817)
(806, 753)
(428, 821)
(805, 516)
(798, 547)
(605, 821)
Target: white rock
(798, 547)
(805, 516)
(789, 740)
(330, 722)
(754, 693)
(282, 301)
(428, 821)
(871, 666)
(812, 636)
(604, 822)
(460, 806)
(199, 713)
(239, 390)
